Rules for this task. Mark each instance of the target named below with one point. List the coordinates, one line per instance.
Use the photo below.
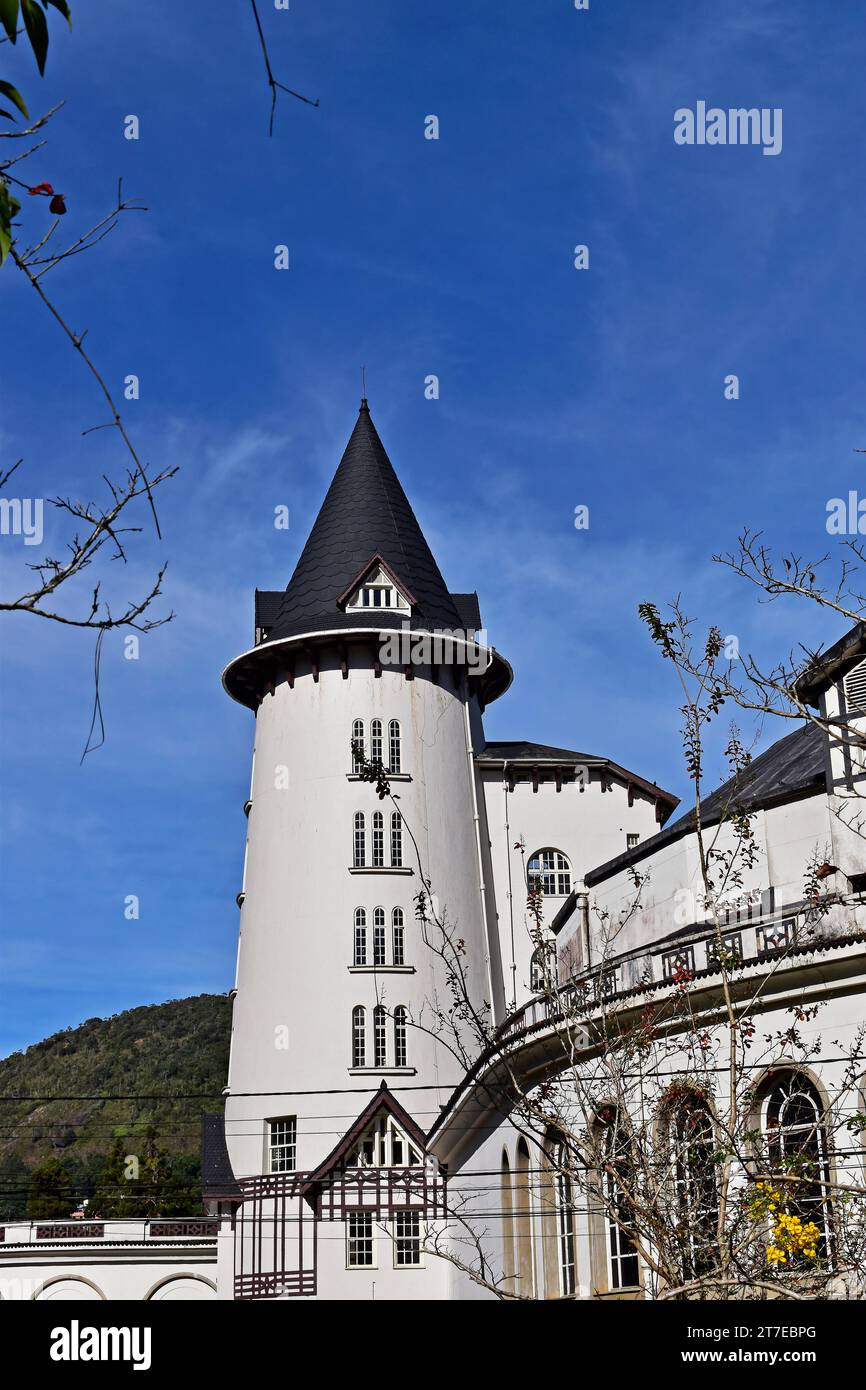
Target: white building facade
(350, 1124)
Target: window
(377, 596)
(399, 936)
(623, 1270)
(379, 936)
(400, 1036)
(396, 841)
(564, 1221)
(359, 1037)
(376, 741)
(796, 1137)
(552, 868)
(359, 1240)
(359, 854)
(632, 841)
(384, 1145)
(282, 1145)
(360, 953)
(691, 1142)
(394, 746)
(378, 840)
(357, 744)
(380, 1051)
(536, 970)
(407, 1239)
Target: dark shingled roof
(520, 751)
(217, 1179)
(791, 768)
(468, 610)
(365, 513)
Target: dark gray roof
(365, 513)
(791, 768)
(468, 610)
(519, 751)
(217, 1179)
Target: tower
(335, 989)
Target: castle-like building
(354, 1101)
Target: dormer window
(377, 588)
(385, 1145)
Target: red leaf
(57, 204)
(44, 188)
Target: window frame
(359, 840)
(359, 1036)
(553, 873)
(395, 751)
(354, 1239)
(400, 1239)
(291, 1144)
(396, 840)
(398, 935)
(359, 939)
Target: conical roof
(365, 515)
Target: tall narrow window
(359, 847)
(691, 1140)
(357, 745)
(523, 1222)
(399, 936)
(380, 1041)
(623, 1269)
(359, 1240)
(375, 741)
(506, 1196)
(565, 1221)
(282, 1144)
(394, 746)
(796, 1137)
(396, 841)
(359, 1037)
(378, 840)
(360, 952)
(407, 1239)
(379, 936)
(400, 1053)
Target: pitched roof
(365, 513)
(217, 1179)
(382, 1100)
(537, 754)
(791, 768)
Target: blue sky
(558, 387)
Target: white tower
(334, 986)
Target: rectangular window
(632, 841)
(282, 1145)
(407, 1239)
(396, 841)
(359, 843)
(379, 1037)
(359, 1240)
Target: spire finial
(363, 388)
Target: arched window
(523, 1222)
(379, 936)
(360, 953)
(400, 1052)
(795, 1131)
(380, 1040)
(359, 1037)
(359, 856)
(691, 1147)
(394, 746)
(396, 841)
(399, 936)
(564, 1220)
(617, 1178)
(507, 1199)
(553, 870)
(378, 840)
(357, 744)
(375, 741)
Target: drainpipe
(482, 888)
(510, 892)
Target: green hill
(157, 1052)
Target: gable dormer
(376, 589)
